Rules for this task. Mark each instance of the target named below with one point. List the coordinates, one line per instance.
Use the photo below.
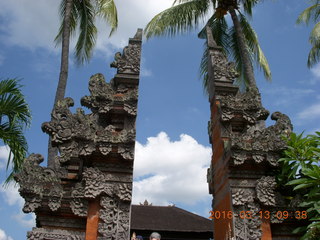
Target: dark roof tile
(168, 218)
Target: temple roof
(168, 218)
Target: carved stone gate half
(241, 178)
(88, 194)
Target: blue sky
(172, 150)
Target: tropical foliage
(239, 41)
(14, 117)
(82, 17)
(300, 174)
(312, 13)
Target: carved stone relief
(115, 219)
(36, 183)
(45, 234)
(266, 190)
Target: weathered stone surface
(37, 183)
(47, 234)
(115, 217)
(248, 222)
(266, 190)
(104, 96)
(129, 61)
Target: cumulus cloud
(168, 171)
(3, 235)
(29, 23)
(33, 24)
(12, 197)
(4, 155)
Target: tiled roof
(168, 218)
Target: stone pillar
(245, 155)
(88, 196)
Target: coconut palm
(239, 42)
(14, 117)
(312, 13)
(79, 15)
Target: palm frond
(315, 34)
(108, 11)
(88, 31)
(12, 136)
(254, 46)
(235, 55)
(73, 21)
(306, 15)
(248, 6)
(14, 116)
(12, 102)
(178, 19)
(314, 55)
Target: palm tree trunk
(248, 69)
(62, 84)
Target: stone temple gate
(246, 204)
(88, 194)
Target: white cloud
(4, 154)
(310, 113)
(33, 24)
(25, 220)
(3, 235)
(12, 197)
(168, 171)
(29, 23)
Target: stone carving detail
(266, 190)
(261, 143)
(246, 106)
(96, 183)
(129, 60)
(242, 196)
(37, 183)
(222, 69)
(248, 228)
(79, 135)
(78, 204)
(115, 219)
(41, 234)
(104, 96)
(239, 158)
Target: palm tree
(14, 117)
(79, 14)
(312, 13)
(240, 42)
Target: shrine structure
(88, 194)
(246, 204)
